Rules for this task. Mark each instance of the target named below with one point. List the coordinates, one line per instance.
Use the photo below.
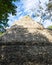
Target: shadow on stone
(20, 47)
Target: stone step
(25, 55)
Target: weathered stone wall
(26, 43)
(26, 54)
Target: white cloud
(43, 1)
(28, 7)
(47, 23)
(30, 4)
(33, 4)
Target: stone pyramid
(28, 22)
(25, 43)
(27, 30)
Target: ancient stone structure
(26, 43)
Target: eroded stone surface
(27, 30)
(26, 55)
(26, 43)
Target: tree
(50, 27)
(50, 5)
(44, 13)
(6, 7)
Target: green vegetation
(6, 7)
(50, 5)
(50, 27)
(1, 33)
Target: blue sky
(29, 7)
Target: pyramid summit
(27, 30)
(28, 22)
